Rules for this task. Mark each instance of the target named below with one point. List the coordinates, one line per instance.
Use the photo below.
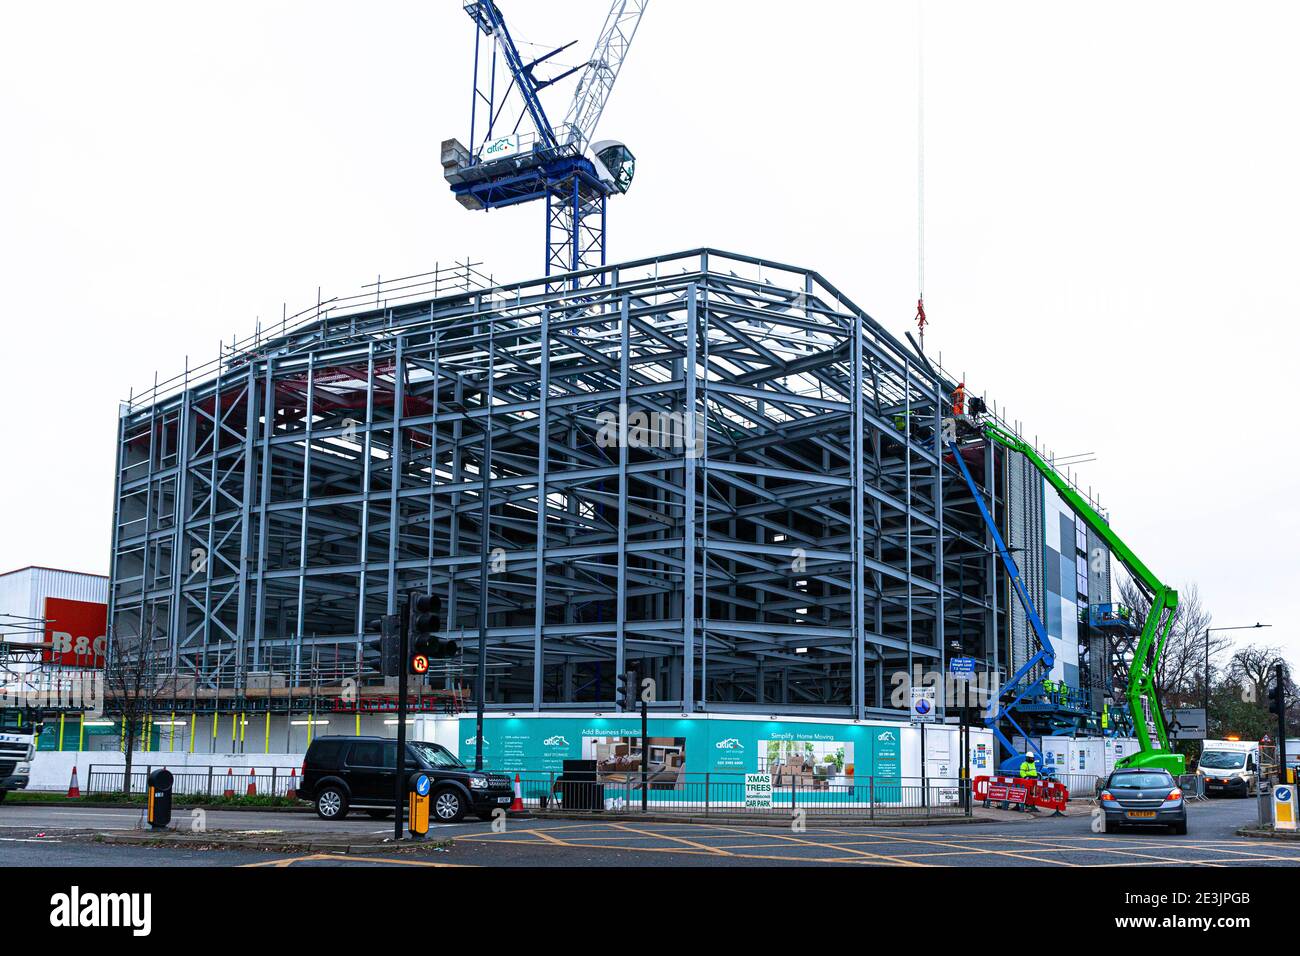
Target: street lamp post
(1243, 627)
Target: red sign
(75, 632)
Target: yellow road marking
(667, 836)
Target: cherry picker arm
(1148, 720)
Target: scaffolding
(708, 468)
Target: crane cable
(921, 321)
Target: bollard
(160, 798)
(417, 805)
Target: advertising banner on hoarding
(808, 757)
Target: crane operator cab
(615, 164)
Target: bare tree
(133, 684)
(1180, 672)
(1251, 667)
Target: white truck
(18, 733)
(1230, 766)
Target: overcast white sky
(1112, 208)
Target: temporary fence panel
(1056, 754)
(208, 782)
(1087, 756)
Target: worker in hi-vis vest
(1029, 771)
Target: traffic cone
(252, 782)
(74, 791)
(292, 792)
(230, 783)
(518, 805)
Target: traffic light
(425, 617)
(623, 685)
(390, 643)
(1277, 695)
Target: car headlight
(478, 783)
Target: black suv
(342, 773)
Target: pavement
(73, 836)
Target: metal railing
(1193, 786)
(458, 277)
(197, 781)
(708, 793)
(1082, 786)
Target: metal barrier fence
(1082, 786)
(197, 781)
(727, 793)
(1193, 786)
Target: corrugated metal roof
(23, 593)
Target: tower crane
(516, 155)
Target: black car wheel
(448, 806)
(1112, 827)
(331, 804)
(1181, 828)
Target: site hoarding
(820, 760)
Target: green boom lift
(1142, 697)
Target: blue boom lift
(1027, 683)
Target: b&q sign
(75, 632)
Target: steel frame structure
(709, 468)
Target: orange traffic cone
(252, 782)
(230, 783)
(292, 792)
(74, 791)
(518, 805)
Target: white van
(1229, 766)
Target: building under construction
(707, 468)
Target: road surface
(47, 836)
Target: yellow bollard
(268, 729)
(61, 716)
(81, 733)
(193, 722)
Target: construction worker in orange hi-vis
(959, 399)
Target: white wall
(51, 770)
